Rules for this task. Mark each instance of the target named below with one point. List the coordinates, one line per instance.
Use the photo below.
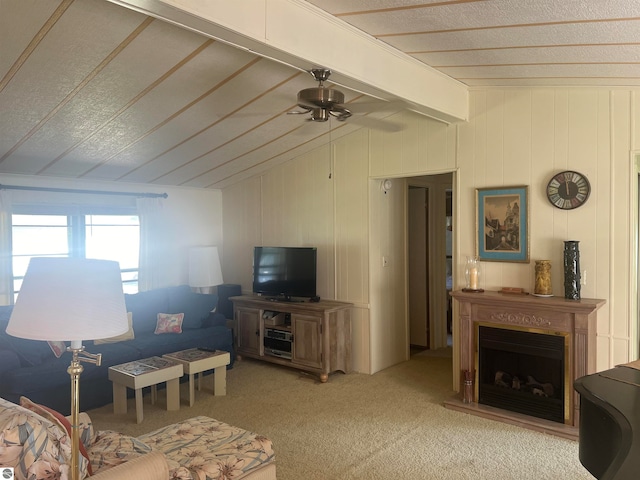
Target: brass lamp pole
(74, 370)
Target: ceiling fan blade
(340, 113)
(309, 105)
(298, 112)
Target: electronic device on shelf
(277, 343)
(276, 318)
(285, 273)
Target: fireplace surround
(571, 323)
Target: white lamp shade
(204, 267)
(69, 299)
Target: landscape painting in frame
(502, 221)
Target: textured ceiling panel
(123, 79)
(211, 134)
(488, 14)
(18, 35)
(54, 71)
(92, 90)
(627, 31)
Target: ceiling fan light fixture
(319, 115)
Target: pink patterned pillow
(169, 323)
(58, 348)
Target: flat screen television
(285, 272)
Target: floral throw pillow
(34, 446)
(58, 348)
(169, 323)
(61, 421)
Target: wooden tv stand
(315, 338)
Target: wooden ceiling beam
(301, 35)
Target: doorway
(429, 214)
(635, 256)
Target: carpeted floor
(391, 425)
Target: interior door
(418, 271)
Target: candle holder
(467, 387)
(472, 273)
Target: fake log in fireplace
(523, 370)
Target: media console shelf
(316, 338)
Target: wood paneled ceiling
(93, 90)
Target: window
(104, 236)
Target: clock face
(568, 190)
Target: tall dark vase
(571, 270)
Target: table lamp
(204, 268)
(70, 299)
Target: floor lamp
(70, 299)
(204, 268)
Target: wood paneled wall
(320, 200)
(515, 136)
(524, 136)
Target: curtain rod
(92, 192)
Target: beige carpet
(390, 425)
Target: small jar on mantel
(543, 278)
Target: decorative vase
(571, 270)
(543, 277)
(472, 275)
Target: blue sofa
(29, 367)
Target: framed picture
(502, 224)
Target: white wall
(193, 217)
(388, 284)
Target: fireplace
(523, 370)
(552, 340)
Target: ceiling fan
(325, 102)
(321, 101)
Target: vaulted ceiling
(195, 93)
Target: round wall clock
(568, 190)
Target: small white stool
(147, 372)
(195, 361)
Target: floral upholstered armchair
(35, 441)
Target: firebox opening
(522, 371)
